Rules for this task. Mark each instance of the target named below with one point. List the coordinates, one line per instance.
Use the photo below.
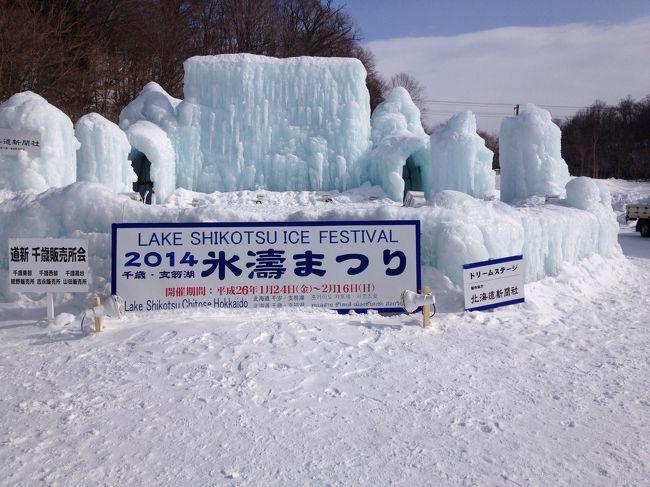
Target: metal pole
(50, 306)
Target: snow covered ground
(555, 391)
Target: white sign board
(493, 283)
(48, 265)
(12, 141)
(335, 265)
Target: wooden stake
(426, 309)
(99, 320)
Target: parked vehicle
(640, 213)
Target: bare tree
(96, 55)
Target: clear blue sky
(380, 19)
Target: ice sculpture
(104, 153)
(56, 164)
(399, 146)
(459, 159)
(252, 122)
(529, 155)
(153, 104)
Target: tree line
(604, 141)
(96, 55)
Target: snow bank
(153, 104)
(104, 153)
(153, 142)
(459, 159)
(397, 134)
(529, 155)
(252, 122)
(57, 163)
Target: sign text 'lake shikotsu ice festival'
(336, 265)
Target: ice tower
(56, 162)
(459, 158)
(529, 156)
(104, 153)
(281, 124)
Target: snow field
(552, 392)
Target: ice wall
(456, 228)
(397, 135)
(529, 156)
(56, 165)
(104, 153)
(459, 159)
(593, 196)
(282, 124)
(153, 104)
(152, 141)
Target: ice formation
(592, 196)
(455, 228)
(104, 153)
(399, 145)
(459, 159)
(150, 140)
(252, 122)
(529, 155)
(153, 104)
(56, 165)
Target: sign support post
(426, 310)
(50, 306)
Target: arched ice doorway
(142, 167)
(412, 175)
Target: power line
(495, 104)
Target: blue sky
(379, 19)
(487, 56)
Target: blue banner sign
(337, 265)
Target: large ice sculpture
(104, 153)
(56, 165)
(399, 145)
(459, 159)
(153, 104)
(150, 140)
(529, 155)
(252, 122)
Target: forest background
(96, 55)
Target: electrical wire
(496, 104)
